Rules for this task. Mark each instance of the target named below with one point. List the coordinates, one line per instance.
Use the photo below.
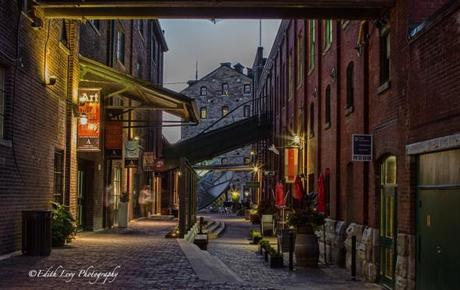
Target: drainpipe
(338, 126)
(366, 126)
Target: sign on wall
(132, 150)
(291, 161)
(113, 141)
(90, 120)
(362, 147)
(148, 161)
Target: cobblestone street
(234, 249)
(141, 256)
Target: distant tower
(260, 32)
(196, 70)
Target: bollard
(291, 250)
(353, 258)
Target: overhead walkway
(213, 143)
(211, 186)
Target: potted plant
(256, 237)
(275, 259)
(263, 244)
(306, 221)
(63, 225)
(254, 217)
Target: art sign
(291, 160)
(89, 123)
(113, 141)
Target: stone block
(402, 265)
(402, 245)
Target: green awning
(94, 74)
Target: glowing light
(255, 169)
(83, 119)
(296, 139)
(253, 153)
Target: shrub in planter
(263, 245)
(63, 225)
(275, 259)
(256, 237)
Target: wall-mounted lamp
(136, 138)
(51, 80)
(296, 140)
(255, 169)
(37, 24)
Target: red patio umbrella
(280, 199)
(298, 188)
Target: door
(388, 220)
(438, 217)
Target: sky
(209, 44)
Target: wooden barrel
(306, 250)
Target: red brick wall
(35, 119)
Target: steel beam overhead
(122, 9)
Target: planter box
(275, 261)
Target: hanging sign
(89, 120)
(131, 150)
(113, 141)
(362, 147)
(148, 161)
(291, 160)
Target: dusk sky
(210, 44)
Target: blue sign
(362, 145)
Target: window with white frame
(121, 46)
(247, 89)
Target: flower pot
(307, 250)
(275, 261)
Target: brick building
(223, 96)
(45, 66)
(395, 78)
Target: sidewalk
(234, 250)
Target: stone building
(222, 97)
(395, 79)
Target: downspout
(338, 125)
(366, 125)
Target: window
(246, 111)
(139, 69)
(300, 58)
(121, 46)
(247, 160)
(247, 89)
(203, 91)
(2, 102)
(58, 176)
(312, 120)
(224, 111)
(96, 24)
(350, 86)
(328, 106)
(223, 160)
(225, 89)
(327, 34)
(203, 113)
(312, 45)
(384, 55)
(63, 36)
(140, 28)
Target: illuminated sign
(291, 160)
(89, 123)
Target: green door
(438, 221)
(388, 220)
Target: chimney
(239, 68)
(250, 74)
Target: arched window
(203, 91)
(350, 85)
(246, 110)
(224, 111)
(328, 106)
(203, 113)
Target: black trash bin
(36, 232)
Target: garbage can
(36, 232)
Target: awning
(94, 74)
